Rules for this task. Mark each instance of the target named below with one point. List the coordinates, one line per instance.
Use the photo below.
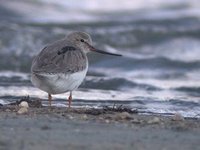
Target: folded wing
(59, 59)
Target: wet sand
(87, 128)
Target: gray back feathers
(60, 57)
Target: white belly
(58, 83)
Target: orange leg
(49, 98)
(70, 99)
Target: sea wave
(46, 11)
(159, 40)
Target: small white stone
(122, 116)
(177, 117)
(85, 117)
(107, 121)
(24, 104)
(155, 120)
(70, 117)
(8, 110)
(22, 110)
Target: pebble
(8, 110)
(155, 120)
(177, 117)
(101, 118)
(22, 110)
(107, 121)
(45, 127)
(24, 104)
(136, 121)
(85, 117)
(122, 116)
(70, 117)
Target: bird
(61, 66)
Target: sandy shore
(80, 128)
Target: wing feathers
(67, 59)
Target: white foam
(3, 102)
(118, 5)
(182, 49)
(90, 95)
(93, 10)
(169, 109)
(10, 74)
(102, 95)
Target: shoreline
(81, 128)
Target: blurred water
(160, 67)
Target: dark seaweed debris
(108, 109)
(120, 108)
(32, 103)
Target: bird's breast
(60, 82)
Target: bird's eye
(82, 40)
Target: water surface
(159, 70)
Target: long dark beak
(100, 51)
(103, 52)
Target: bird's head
(83, 41)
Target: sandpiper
(62, 66)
